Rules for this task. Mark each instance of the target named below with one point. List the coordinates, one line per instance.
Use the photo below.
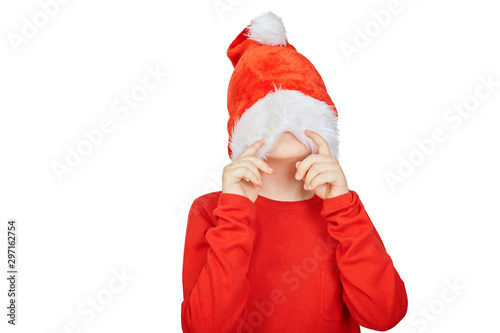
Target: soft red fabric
(258, 68)
(281, 266)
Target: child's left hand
(324, 174)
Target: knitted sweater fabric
(316, 265)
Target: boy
(285, 246)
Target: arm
(217, 253)
(372, 288)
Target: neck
(281, 184)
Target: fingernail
(269, 169)
(297, 175)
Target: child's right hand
(243, 176)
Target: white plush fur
(280, 111)
(267, 29)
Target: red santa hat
(274, 89)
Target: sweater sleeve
(371, 287)
(217, 252)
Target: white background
(124, 207)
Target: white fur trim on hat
(280, 111)
(267, 29)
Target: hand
(246, 167)
(322, 171)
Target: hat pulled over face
(274, 89)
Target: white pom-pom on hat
(263, 58)
(267, 29)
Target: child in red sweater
(285, 246)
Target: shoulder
(208, 200)
(203, 207)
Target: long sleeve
(371, 287)
(217, 253)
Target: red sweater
(286, 266)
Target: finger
(246, 174)
(259, 163)
(322, 178)
(306, 163)
(248, 166)
(250, 151)
(315, 170)
(252, 163)
(320, 142)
